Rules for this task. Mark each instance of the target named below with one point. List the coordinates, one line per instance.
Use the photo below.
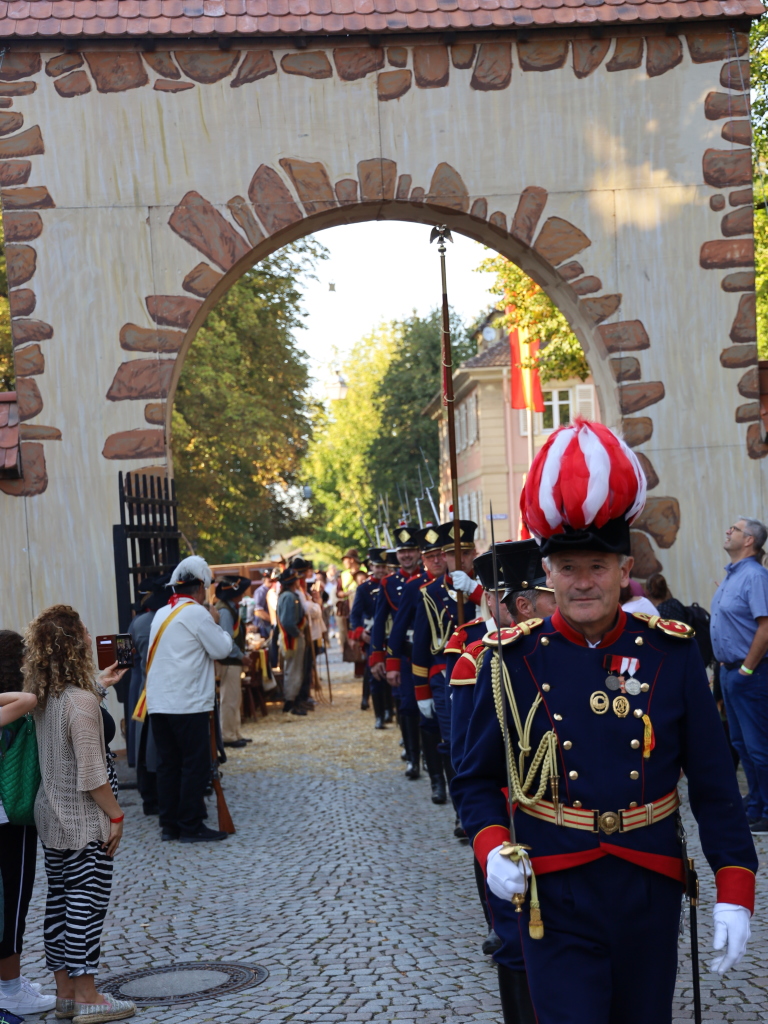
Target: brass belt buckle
(609, 822)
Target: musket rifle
(362, 523)
(428, 490)
(225, 818)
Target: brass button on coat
(644, 687)
(635, 744)
(558, 718)
(639, 641)
(545, 687)
(567, 745)
(573, 775)
(638, 713)
(544, 642)
(633, 804)
(577, 803)
(634, 775)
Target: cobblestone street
(344, 881)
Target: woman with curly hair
(76, 812)
(18, 849)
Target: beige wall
(616, 163)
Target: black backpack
(698, 617)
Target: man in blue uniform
(387, 605)
(361, 623)
(523, 593)
(435, 620)
(590, 716)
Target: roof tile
(50, 18)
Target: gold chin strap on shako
(440, 630)
(521, 782)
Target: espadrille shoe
(98, 1013)
(65, 1009)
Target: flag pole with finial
(442, 234)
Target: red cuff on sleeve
(356, 634)
(736, 885)
(393, 664)
(423, 691)
(376, 658)
(477, 594)
(488, 839)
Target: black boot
(403, 738)
(434, 761)
(378, 709)
(515, 998)
(366, 690)
(388, 704)
(492, 943)
(412, 746)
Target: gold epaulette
(458, 638)
(672, 627)
(511, 634)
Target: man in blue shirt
(739, 631)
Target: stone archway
(138, 183)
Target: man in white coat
(184, 641)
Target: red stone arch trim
(300, 198)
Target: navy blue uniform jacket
(425, 663)
(387, 605)
(599, 767)
(363, 607)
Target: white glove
(731, 927)
(426, 707)
(461, 581)
(505, 877)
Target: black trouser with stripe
(18, 849)
(79, 886)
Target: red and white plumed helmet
(583, 490)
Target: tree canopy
(528, 307)
(241, 417)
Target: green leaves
(528, 307)
(241, 418)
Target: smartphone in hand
(114, 648)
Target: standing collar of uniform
(409, 575)
(613, 634)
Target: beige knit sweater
(70, 745)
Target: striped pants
(79, 886)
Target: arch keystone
(377, 178)
(447, 188)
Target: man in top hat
(522, 594)
(360, 625)
(292, 642)
(435, 620)
(601, 712)
(184, 641)
(229, 593)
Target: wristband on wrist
(116, 821)
(749, 671)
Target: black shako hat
(519, 567)
(612, 537)
(466, 530)
(377, 556)
(430, 538)
(392, 558)
(154, 592)
(231, 587)
(406, 536)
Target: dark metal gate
(146, 541)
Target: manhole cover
(175, 984)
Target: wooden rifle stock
(225, 818)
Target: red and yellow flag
(526, 384)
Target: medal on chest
(621, 674)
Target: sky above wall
(382, 271)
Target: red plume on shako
(584, 488)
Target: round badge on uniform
(612, 682)
(632, 686)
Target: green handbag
(19, 771)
